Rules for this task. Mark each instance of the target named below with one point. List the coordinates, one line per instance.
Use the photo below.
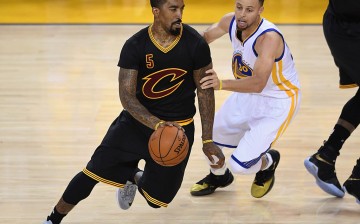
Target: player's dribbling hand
(214, 155)
(210, 81)
(170, 123)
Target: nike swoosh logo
(323, 160)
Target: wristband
(220, 84)
(207, 141)
(157, 124)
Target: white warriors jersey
(283, 81)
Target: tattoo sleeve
(127, 93)
(206, 101)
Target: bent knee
(240, 167)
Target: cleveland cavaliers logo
(172, 74)
(240, 69)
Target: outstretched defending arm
(218, 29)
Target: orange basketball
(168, 146)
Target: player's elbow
(207, 37)
(259, 86)
(258, 89)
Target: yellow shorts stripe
(153, 200)
(185, 122)
(100, 179)
(291, 90)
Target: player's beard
(175, 31)
(241, 29)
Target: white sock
(269, 161)
(219, 171)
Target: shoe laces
(205, 179)
(212, 179)
(128, 192)
(262, 176)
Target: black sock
(55, 217)
(338, 137)
(356, 170)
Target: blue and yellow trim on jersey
(243, 42)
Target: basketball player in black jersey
(342, 32)
(160, 69)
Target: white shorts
(251, 123)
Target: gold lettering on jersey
(174, 75)
(240, 68)
(149, 61)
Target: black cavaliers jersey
(165, 84)
(348, 10)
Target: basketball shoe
(125, 196)
(322, 166)
(352, 184)
(47, 222)
(265, 179)
(209, 184)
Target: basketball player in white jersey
(265, 98)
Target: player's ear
(155, 11)
(261, 9)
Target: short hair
(261, 2)
(157, 3)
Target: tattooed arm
(206, 101)
(127, 93)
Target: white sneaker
(47, 222)
(125, 196)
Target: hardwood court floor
(59, 94)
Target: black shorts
(117, 157)
(343, 38)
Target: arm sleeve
(128, 57)
(202, 55)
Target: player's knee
(79, 188)
(239, 167)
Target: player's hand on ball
(211, 150)
(169, 123)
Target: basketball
(168, 146)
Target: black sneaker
(352, 184)
(265, 179)
(209, 184)
(323, 169)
